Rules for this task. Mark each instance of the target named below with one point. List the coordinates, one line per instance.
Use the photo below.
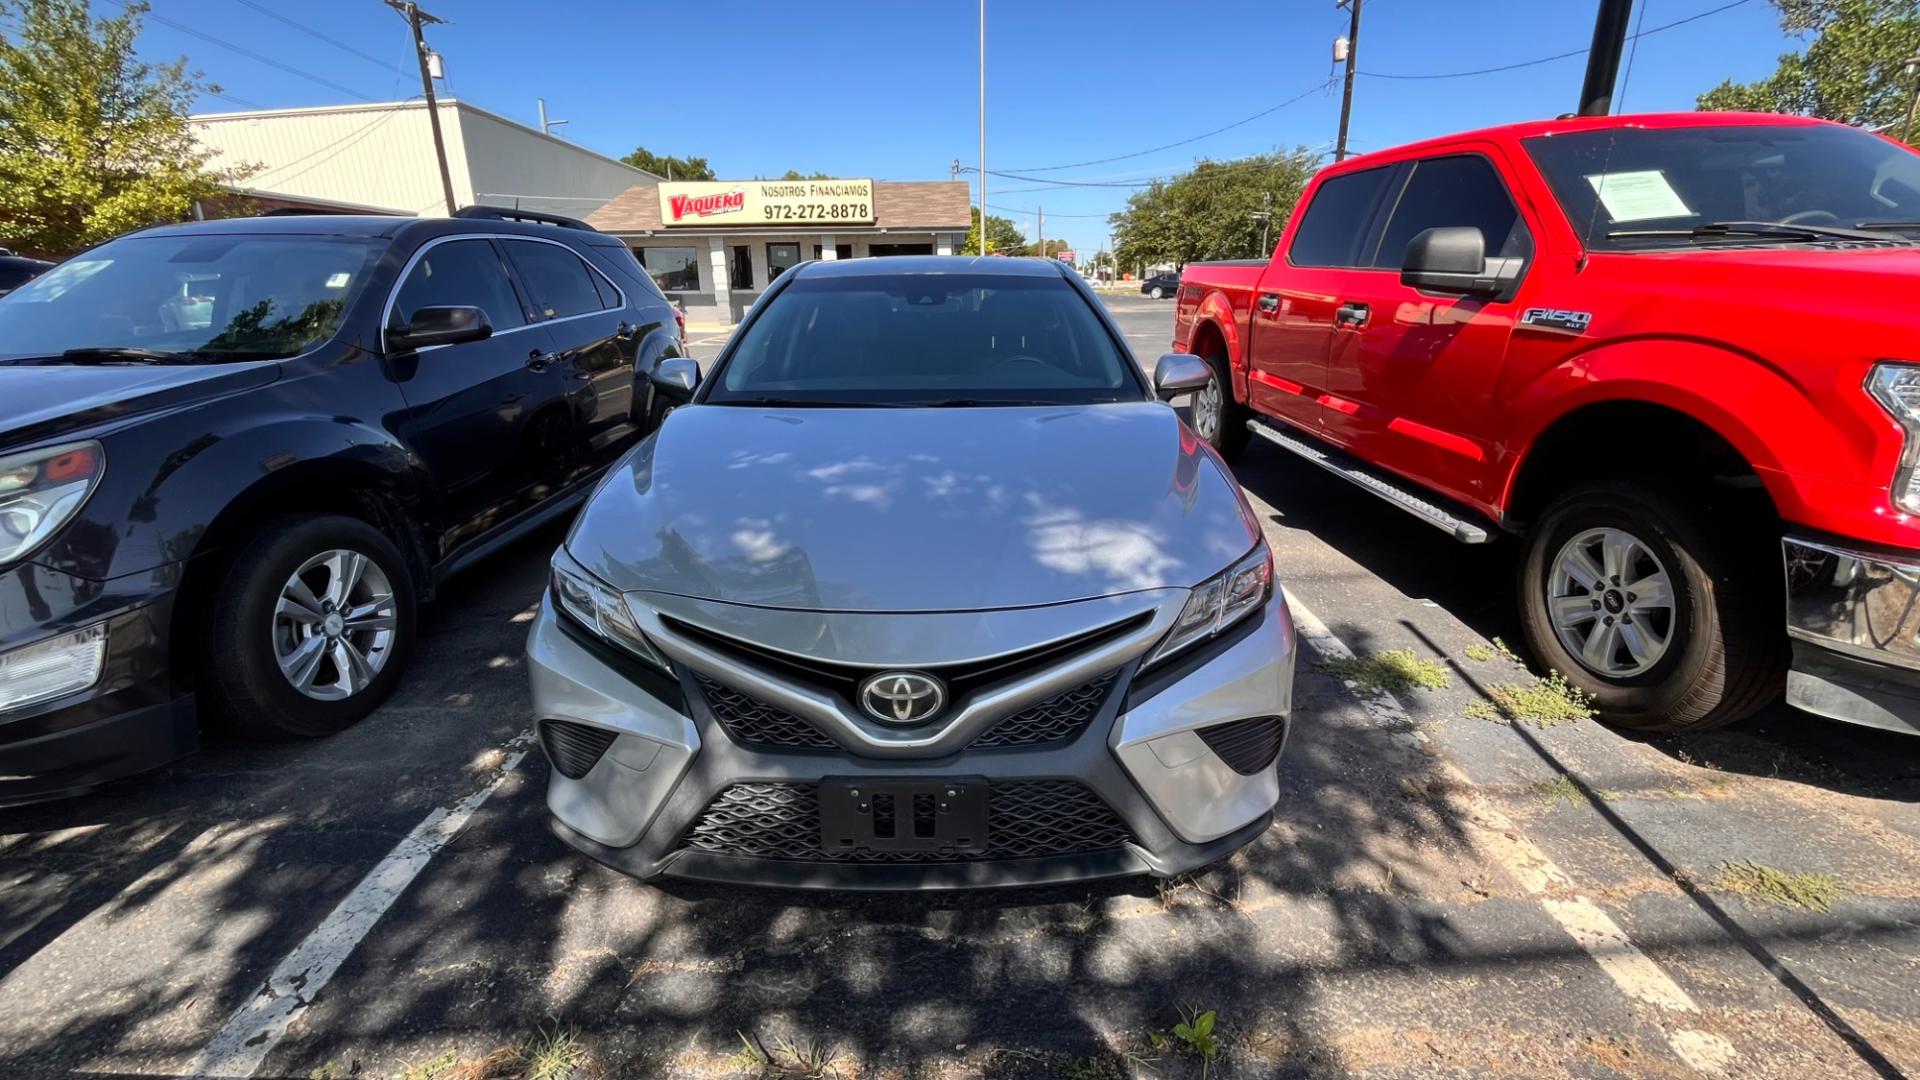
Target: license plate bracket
(942, 816)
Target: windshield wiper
(799, 403)
(976, 403)
(121, 354)
(1722, 230)
(1887, 226)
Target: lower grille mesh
(1247, 746)
(1025, 819)
(1056, 719)
(573, 748)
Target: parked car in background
(17, 270)
(1160, 286)
(862, 614)
(1677, 356)
(235, 455)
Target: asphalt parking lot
(1450, 889)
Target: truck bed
(1229, 283)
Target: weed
(1810, 891)
(1547, 702)
(330, 1071)
(1481, 653)
(1483, 710)
(1508, 654)
(1192, 1035)
(749, 1058)
(1396, 671)
(550, 1055)
(1559, 789)
(431, 1068)
(1097, 1067)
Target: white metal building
(382, 155)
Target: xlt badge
(1556, 319)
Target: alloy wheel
(1206, 410)
(334, 625)
(1611, 602)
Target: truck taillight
(1897, 388)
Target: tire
(1158, 293)
(1723, 654)
(1229, 433)
(245, 690)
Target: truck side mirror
(1453, 260)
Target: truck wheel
(1669, 619)
(311, 629)
(1217, 417)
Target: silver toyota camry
(922, 586)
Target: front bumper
(1854, 619)
(130, 720)
(1133, 790)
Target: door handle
(538, 361)
(1350, 314)
(1269, 303)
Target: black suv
(234, 455)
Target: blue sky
(888, 89)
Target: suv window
(461, 273)
(1454, 191)
(560, 282)
(1329, 234)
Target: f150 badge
(1556, 319)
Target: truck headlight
(1219, 602)
(41, 490)
(52, 668)
(1897, 388)
(597, 608)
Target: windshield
(201, 297)
(1634, 180)
(928, 339)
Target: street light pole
(415, 19)
(983, 127)
(1346, 95)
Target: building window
(674, 269)
(740, 267)
(780, 257)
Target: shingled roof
(899, 204)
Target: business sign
(1066, 256)
(713, 203)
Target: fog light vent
(52, 668)
(1247, 746)
(573, 748)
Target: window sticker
(1638, 196)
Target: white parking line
(1635, 973)
(256, 1027)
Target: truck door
(1410, 375)
(1292, 321)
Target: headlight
(41, 490)
(1219, 602)
(598, 608)
(1897, 388)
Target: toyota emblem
(902, 697)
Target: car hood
(914, 509)
(44, 401)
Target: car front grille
(1025, 819)
(1057, 719)
(752, 722)
(1247, 746)
(573, 748)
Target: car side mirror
(677, 375)
(1453, 260)
(1180, 373)
(432, 326)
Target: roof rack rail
(507, 213)
(302, 211)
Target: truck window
(1454, 191)
(1330, 233)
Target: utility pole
(1346, 96)
(983, 127)
(1912, 67)
(1265, 216)
(1610, 25)
(546, 125)
(415, 20)
(1040, 229)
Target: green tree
(796, 174)
(1210, 212)
(93, 141)
(673, 168)
(1048, 248)
(1002, 237)
(1850, 71)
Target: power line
(1019, 210)
(1556, 56)
(1303, 95)
(317, 35)
(353, 136)
(250, 54)
(224, 96)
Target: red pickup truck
(1677, 356)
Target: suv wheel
(311, 629)
(1670, 620)
(1216, 416)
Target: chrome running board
(1350, 468)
